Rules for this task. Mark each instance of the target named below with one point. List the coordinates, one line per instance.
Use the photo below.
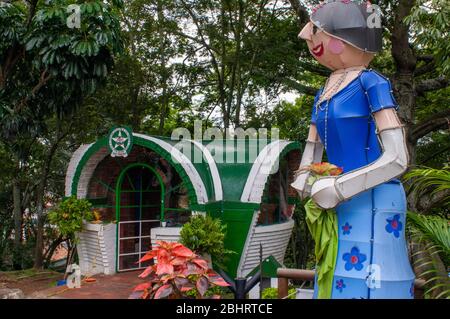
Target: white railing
(274, 239)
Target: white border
(218, 192)
(72, 167)
(199, 187)
(260, 171)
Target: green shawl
(322, 225)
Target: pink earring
(336, 46)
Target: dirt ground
(30, 280)
(42, 284)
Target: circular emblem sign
(120, 141)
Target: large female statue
(354, 118)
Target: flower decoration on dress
(354, 259)
(340, 285)
(394, 225)
(346, 228)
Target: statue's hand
(324, 194)
(301, 184)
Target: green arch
(102, 143)
(119, 186)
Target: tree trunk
(17, 225)
(135, 118)
(164, 72)
(40, 193)
(404, 82)
(51, 250)
(38, 257)
(405, 96)
(240, 27)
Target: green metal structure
(230, 180)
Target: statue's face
(332, 52)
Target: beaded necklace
(333, 89)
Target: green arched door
(139, 203)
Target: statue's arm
(312, 153)
(328, 192)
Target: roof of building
(215, 170)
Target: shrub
(205, 235)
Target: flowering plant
(178, 270)
(320, 169)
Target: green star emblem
(120, 141)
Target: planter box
(97, 249)
(169, 234)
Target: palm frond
(433, 235)
(432, 180)
(443, 294)
(434, 229)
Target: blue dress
(371, 225)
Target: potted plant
(69, 216)
(178, 274)
(205, 236)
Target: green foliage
(292, 119)
(272, 293)
(430, 24)
(434, 229)
(426, 178)
(434, 149)
(432, 234)
(205, 235)
(49, 67)
(69, 216)
(430, 180)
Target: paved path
(117, 286)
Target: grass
(17, 275)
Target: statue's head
(343, 33)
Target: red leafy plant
(176, 272)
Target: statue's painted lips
(318, 50)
